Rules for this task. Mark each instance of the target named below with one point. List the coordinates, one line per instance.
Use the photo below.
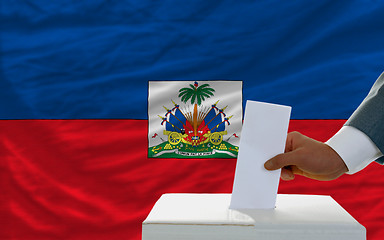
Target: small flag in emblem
(194, 119)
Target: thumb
(281, 160)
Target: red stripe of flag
(91, 179)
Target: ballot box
(208, 217)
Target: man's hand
(307, 157)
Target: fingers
(307, 157)
(291, 141)
(287, 174)
(281, 160)
(297, 171)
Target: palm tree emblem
(196, 94)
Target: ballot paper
(263, 136)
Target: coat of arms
(194, 119)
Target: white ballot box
(208, 217)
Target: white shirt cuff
(355, 148)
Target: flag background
(73, 95)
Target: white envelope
(263, 136)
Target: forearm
(355, 148)
(369, 116)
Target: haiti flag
(75, 79)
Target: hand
(307, 157)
